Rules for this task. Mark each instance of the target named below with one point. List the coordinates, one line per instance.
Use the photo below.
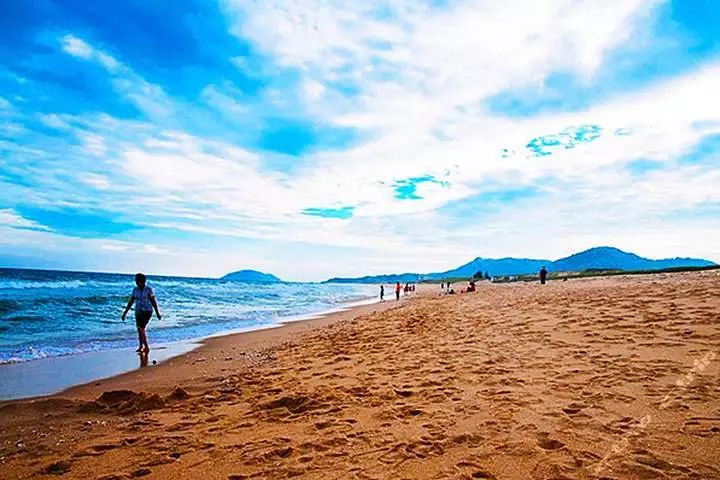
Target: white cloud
(55, 121)
(107, 61)
(76, 47)
(115, 247)
(461, 53)
(225, 102)
(120, 246)
(156, 250)
(93, 144)
(313, 90)
(10, 218)
(148, 97)
(101, 182)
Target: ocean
(53, 313)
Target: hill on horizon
(251, 276)
(611, 258)
(603, 258)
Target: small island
(251, 276)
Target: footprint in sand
(547, 443)
(574, 408)
(702, 426)
(57, 468)
(95, 450)
(474, 470)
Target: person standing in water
(397, 291)
(382, 293)
(543, 275)
(143, 297)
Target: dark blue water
(51, 313)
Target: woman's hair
(140, 278)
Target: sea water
(53, 313)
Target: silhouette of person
(397, 291)
(543, 275)
(382, 293)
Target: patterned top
(142, 298)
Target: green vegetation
(594, 272)
(591, 272)
(446, 280)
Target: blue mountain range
(598, 258)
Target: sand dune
(610, 378)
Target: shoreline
(39, 379)
(69, 315)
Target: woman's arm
(154, 304)
(127, 308)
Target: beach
(612, 377)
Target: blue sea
(52, 313)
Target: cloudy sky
(313, 138)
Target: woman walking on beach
(143, 297)
(397, 291)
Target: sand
(609, 378)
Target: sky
(319, 138)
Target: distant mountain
(610, 258)
(494, 266)
(251, 276)
(603, 258)
(400, 277)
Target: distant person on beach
(397, 291)
(382, 293)
(143, 297)
(543, 275)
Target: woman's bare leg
(140, 339)
(143, 339)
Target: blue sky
(320, 138)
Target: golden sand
(611, 378)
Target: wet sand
(46, 376)
(611, 378)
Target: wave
(32, 285)
(35, 352)
(45, 315)
(197, 327)
(10, 307)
